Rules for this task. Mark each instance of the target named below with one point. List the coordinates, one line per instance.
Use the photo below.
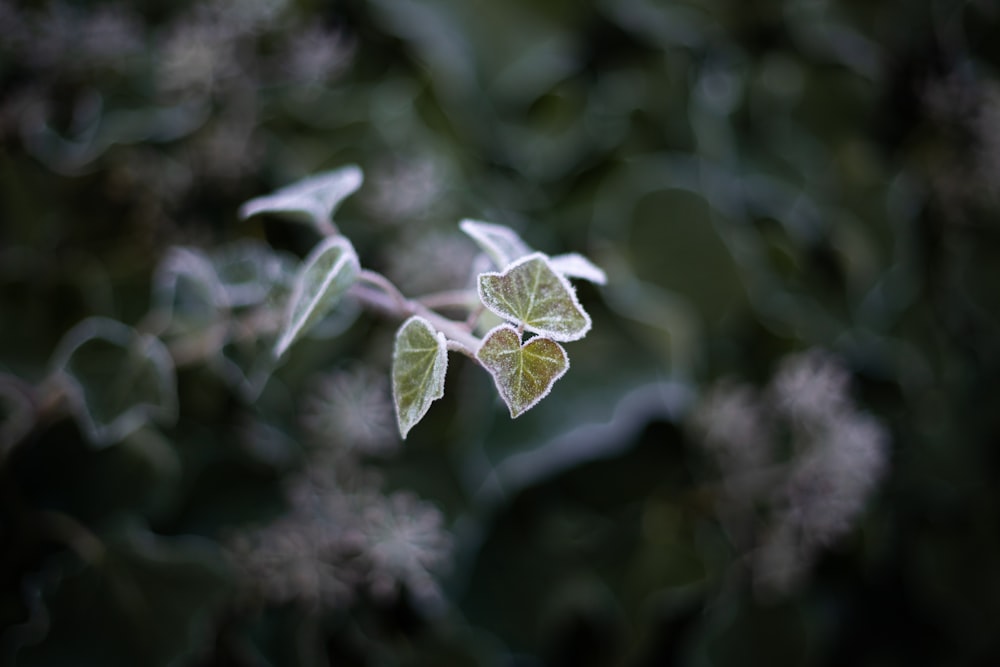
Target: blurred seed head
(733, 426)
(838, 455)
(403, 189)
(810, 389)
(317, 55)
(405, 542)
(431, 262)
(196, 55)
(339, 541)
(351, 411)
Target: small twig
(325, 227)
(462, 298)
(473, 317)
(388, 299)
(378, 280)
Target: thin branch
(456, 331)
(389, 300)
(460, 298)
(378, 280)
(325, 227)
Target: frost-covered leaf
(245, 362)
(329, 271)
(531, 293)
(523, 374)
(148, 600)
(312, 199)
(500, 243)
(574, 265)
(187, 292)
(419, 362)
(117, 378)
(248, 271)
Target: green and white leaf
(312, 200)
(325, 275)
(419, 363)
(523, 374)
(575, 265)
(531, 293)
(117, 379)
(500, 243)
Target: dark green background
(758, 178)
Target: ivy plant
(240, 310)
(529, 290)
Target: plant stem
(388, 299)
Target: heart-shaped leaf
(329, 271)
(118, 379)
(574, 265)
(523, 374)
(419, 362)
(532, 293)
(312, 199)
(502, 244)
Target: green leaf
(312, 200)
(117, 379)
(573, 265)
(523, 374)
(249, 271)
(531, 293)
(149, 600)
(187, 292)
(419, 362)
(329, 271)
(501, 244)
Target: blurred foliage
(759, 180)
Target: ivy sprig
(528, 290)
